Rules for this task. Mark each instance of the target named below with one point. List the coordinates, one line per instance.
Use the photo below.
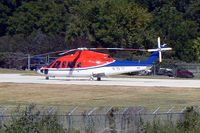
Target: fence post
(183, 109)
(1, 116)
(51, 110)
(122, 119)
(89, 119)
(138, 116)
(168, 113)
(182, 112)
(106, 118)
(154, 70)
(70, 121)
(154, 113)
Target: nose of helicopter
(41, 70)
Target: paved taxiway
(17, 78)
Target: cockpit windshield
(48, 65)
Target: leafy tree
(35, 44)
(46, 16)
(6, 9)
(196, 48)
(110, 23)
(105, 23)
(151, 5)
(192, 12)
(177, 22)
(170, 24)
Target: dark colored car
(165, 71)
(184, 73)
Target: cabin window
(56, 65)
(63, 64)
(71, 64)
(49, 65)
(79, 64)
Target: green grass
(86, 97)
(14, 71)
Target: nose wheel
(92, 78)
(98, 78)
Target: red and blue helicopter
(88, 63)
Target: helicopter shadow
(73, 79)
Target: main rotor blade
(125, 49)
(71, 50)
(121, 49)
(81, 49)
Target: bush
(191, 121)
(189, 124)
(27, 122)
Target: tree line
(39, 26)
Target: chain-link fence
(181, 70)
(103, 119)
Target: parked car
(184, 73)
(165, 71)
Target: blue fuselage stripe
(114, 64)
(129, 63)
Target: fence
(29, 62)
(104, 119)
(34, 62)
(195, 68)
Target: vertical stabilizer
(154, 57)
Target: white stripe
(110, 70)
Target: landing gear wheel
(47, 78)
(98, 78)
(91, 78)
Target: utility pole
(48, 59)
(29, 62)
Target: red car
(184, 73)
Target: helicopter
(85, 62)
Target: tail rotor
(160, 49)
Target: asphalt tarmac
(17, 78)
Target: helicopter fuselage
(91, 64)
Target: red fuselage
(81, 59)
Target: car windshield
(182, 69)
